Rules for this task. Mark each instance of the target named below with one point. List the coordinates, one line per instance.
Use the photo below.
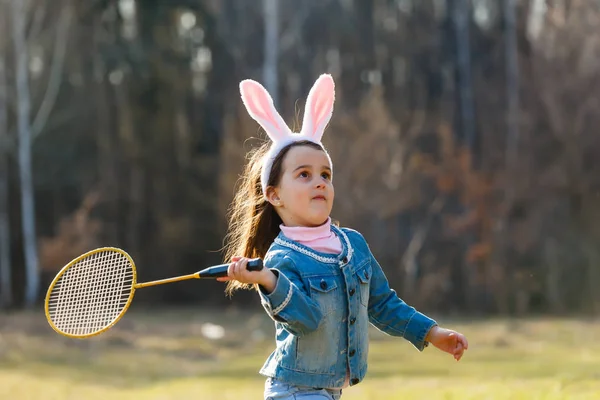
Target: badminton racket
(91, 293)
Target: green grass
(164, 355)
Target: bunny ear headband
(317, 113)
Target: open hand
(448, 340)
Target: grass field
(165, 355)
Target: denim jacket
(322, 306)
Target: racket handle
(219, 271)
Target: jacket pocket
(364, 276)
(323, 291)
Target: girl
(322, 286)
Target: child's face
(304, 196)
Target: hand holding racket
(238, 270)
(91, 294)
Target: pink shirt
(319, 238)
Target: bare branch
(409, 259)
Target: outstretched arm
(390, 314)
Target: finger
(458, 348)
(235, 258)
(224, 279)
(235, 270)
(456, 353)
(464, 341)
(459, 355)
(460, 340)
(241, 268)
(230, 270)
(452, 340)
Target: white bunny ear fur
(319, 108)
(260, 106)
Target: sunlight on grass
(165, 356)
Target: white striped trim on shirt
(285, 302)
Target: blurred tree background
(463, 139)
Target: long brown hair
(253, 221)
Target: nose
(320, 185)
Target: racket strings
(92, 293)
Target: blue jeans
(277, 390)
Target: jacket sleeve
(390, 314)
(289, 303)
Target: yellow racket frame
(69, 265)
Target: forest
(462, 138)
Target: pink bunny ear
(259, 104)
(319, 107)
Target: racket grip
(219, 271)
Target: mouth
(319, 198)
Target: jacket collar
(343, 258)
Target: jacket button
(367, 275)
(351, 292)
(323, 285)
(345, 260)
(352, 321)
(354, 381)
(352, 353)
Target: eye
(326, 175)
(303, 174)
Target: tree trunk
(108, 176)
(506, 288)
(135, 176)
(460, 15)
(462, 22)
(512, 85)
(553, 282)
(535, 19)
(24, 153)
(5, 275)
(271, 21)
(592, 276)
(512, 133)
